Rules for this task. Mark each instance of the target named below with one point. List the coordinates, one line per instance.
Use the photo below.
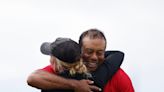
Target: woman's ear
(53, 63)
(52, 60)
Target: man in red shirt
(93, 44)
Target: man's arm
(44, 80)
(113, 60)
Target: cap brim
(45, 48)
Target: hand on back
(86, 86)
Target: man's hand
(85, 86)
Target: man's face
(93, 52)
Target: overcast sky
(135, 27)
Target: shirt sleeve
(48, 69)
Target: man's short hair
(91, 33)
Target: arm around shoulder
(44, 80)
(113, 60)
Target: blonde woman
(65, 59)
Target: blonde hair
(77, 67)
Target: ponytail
(77, 67)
